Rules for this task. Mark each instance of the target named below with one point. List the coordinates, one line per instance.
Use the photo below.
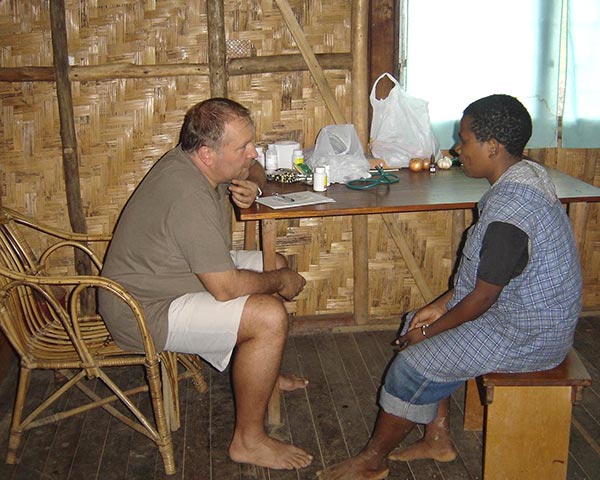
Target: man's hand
(243, 192)
(292, 283)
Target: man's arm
(235, 283)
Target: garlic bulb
(444, 163)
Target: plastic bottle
(297, 157)
(319, 179)
(271, 160)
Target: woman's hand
(427, 315)
(410, 338)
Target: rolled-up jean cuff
(415, 413)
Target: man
(171, 251)
(515, 302)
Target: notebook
(291, 200)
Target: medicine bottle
(271, 160)
(319, 179)
(297, 157)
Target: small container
(297, 157)
(319, 179)
(432, 167)
(327, 177)
(271, 160)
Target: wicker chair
(46, 320)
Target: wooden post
(360, 70)
(68, 137)
(215, 13)
(360, 117)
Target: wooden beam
(236, 66)
(217, 49)
(409, 259)
(383, 40)
(68, 136)
(360, 87)
(311, 61)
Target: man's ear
(205, 155)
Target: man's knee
(264, 314)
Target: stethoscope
(380, 178)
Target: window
(581, 121)
(453, 53)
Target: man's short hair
(502, 118)
(204, 123)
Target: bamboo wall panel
(124, 125)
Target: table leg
(360, 258)
(269, 239)
(250, 235)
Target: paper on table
(291, 200)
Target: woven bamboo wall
(124, 125)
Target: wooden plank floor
(331, 419)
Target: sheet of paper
(296, 199)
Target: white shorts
(201, 325)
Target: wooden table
(415, 192)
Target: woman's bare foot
(354, 469)
(289, 383)
(425, 449)
(269, 453)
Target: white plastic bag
(400, 129)
(339, 147)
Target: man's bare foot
(353, 469)
(269, 453)
(423, 449)
(289, 383)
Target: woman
(515, 302)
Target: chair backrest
(23, 309)
(30, 311)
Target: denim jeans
(408, 394)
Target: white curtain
(460, 51)
(581, 120)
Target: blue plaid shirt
(531, 325)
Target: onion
(416, 165)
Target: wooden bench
(527, 419)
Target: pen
(283, 198)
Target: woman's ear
(493, 147)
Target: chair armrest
(44, 257)
(9, 214)
(70, 315)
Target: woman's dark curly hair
(502, 118)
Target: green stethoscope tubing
(381, 178)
